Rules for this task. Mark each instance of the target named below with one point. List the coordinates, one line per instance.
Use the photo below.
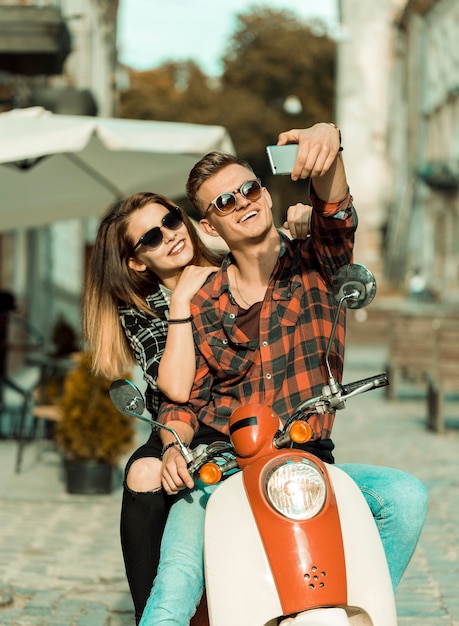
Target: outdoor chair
(42, 403)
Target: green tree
(275, 55)
(172, 92)
(271, 56)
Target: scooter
(289, 539)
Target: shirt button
(268, 376)
(232, 316)
(264, 344)
(224, 342)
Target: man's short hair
(210, 164)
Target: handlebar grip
(380, 380)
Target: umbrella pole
(95, 175)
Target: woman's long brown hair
(111, 282)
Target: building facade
(397, 106)
(423, 148)
(364, 59)
(61, 55)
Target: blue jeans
(179, 583)
(397, 500)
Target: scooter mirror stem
(353, 295)
(183, 449)
(130, 402)
(127, 410)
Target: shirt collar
(221, 283)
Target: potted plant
(92, 433)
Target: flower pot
(88, 477)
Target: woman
(148, 262)
(145, 249)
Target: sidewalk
(60, 559)
(373, 430)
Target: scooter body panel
(307, 561)
(241, 587)
(368, 578)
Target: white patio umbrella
(55, 167)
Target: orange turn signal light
(210, 474)
(300, 432)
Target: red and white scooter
(288, 539)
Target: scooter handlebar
(328, 401)
(365, 384)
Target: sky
(151, 32)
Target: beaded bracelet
(180, 320)
(169, 445)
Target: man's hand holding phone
(316, 151)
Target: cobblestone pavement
(376, 431)
(60, 560)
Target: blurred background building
(60, 55)
(398, 104)
(423, 148)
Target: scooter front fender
(319, 617)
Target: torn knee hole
(144, 492)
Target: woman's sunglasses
(226, 202)
(153, 238)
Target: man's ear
(136, 265)
(208, 228)
(268, 197)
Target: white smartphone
(282, 158)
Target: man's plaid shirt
(285, 364)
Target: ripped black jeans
(143, 516)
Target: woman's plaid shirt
(147, 337)
(285, 364)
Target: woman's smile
(178, 247)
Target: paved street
(60, 560)
(373, 430)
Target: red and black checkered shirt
(285, 363)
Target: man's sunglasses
(225, 203)
(153, 238)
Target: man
(262, 322)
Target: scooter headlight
(296, 488)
